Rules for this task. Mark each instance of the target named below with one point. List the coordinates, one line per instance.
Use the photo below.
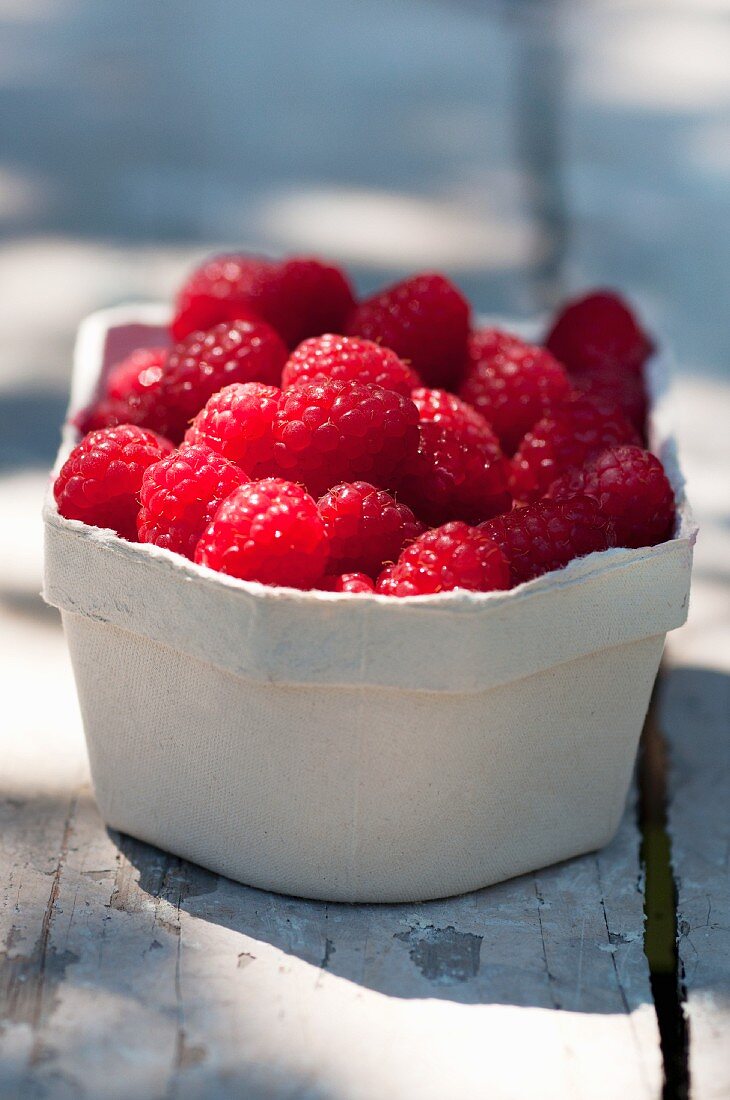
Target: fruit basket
(358, 748)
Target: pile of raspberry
(292, 435)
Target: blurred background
(526, 148)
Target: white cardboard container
(358, 748)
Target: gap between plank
(660, 906)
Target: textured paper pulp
(358, 748)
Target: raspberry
(100, 480)
(354, 583)
(351, 360)
(216, 291)
(180, 495)
(204, 362)
(131, 395)
(366, 527)
(452, 413)
(268, 531)
(237, 422)
(511, 383)
(449, 557)
(631, 488)
(139, 373)
(141, 409)
(454, 477)
(300, 297)
(425, 320)
(549, 534)
(619, 388)
(327, 432)
(567, 437)
(597, 331)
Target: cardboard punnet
(358, 748)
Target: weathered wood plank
(696, 720)
(160, 979)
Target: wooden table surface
(125, 972)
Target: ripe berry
(547, 535)
(598, 330)
(453, 476)
(139, 373)
(216, 291)
(329, 431)
(300, 297)
(366, 527)
(565, 438)
(180, 495)
(349, 359)
(267, 531)
(130, 396)
(632, 490)
(204, 362)
(425, 320)
(621, 388)
(100, 480)
(448, 557)
(511, 383)
(354, 583)
(449, 411)
(237, 422)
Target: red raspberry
(237, 422)
(141, 409)
(454, 477)
(366, 527)
(204, 362)
(299, 297)
(351, 360)
(425, 320)
(268, 531)
(100, 480)
(549, 534)
(618, 388)
(354, 583)
(216, 291)
(131, 395)
(452, 413)
(327, 432)
(139, 373)
(180, 495)
(511, 383)
(567, 437)
(631, 488)
(449, 557)
(597, 331)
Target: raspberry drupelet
(350, 359)
(425, 320)
(299, 297)
(366, 527)
(100, 480)
(180, 495)
(549, 534)
(356, 584)
(237, 422)
(268, 531)
(565, 439)
(511, 383)
(328, 432)
(446, 558)
(632, 490)
(449, 411)
(454, 476)
(205, 362)
(596, 331)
